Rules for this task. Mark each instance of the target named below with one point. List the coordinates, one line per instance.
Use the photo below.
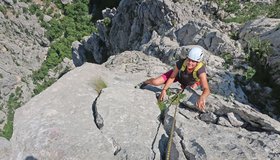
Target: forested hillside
(51, 97)
(63, 24)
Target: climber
(188, 72)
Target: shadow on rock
(30, 158)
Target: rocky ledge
(71, 120)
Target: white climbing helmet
(196, 54)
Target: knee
(156, 81)
(152, 81)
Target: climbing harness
(198, 66)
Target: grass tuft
(99, 84)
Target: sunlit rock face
(72, 119)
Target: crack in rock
(154, 140)
(174, 153)
(115, 145)
(98, 120)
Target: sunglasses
(190, 60)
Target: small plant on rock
(259, 49)
(3, 9)
(234, 35)
(173, 99)
(99, 84)
(228, 59)
(274, 11)
(250, 72)
(107, 21)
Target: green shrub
(75, 24)
(58, 4)
(57, 15)
(3, 9)
(50, 11)
(234, 35)
(39, 14)
(45, 24)
(40, 87)
(250, 72)
(228, 59)
(107, 21)
(250, 11)
(55, 30)
(33, 8)
(7, 130)
(47, 3)
(259, 49)
(25, 10)
(258, 53)
(274, 11)
(76, 10)
(13, 103)
(232, 6)
(26, 1)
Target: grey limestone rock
(224, 122)
(59, 122)
(23, 48)
(66, 1)
(10, 2)
(78, 54)
(2, 117)
(5, 148)
(234, 119)
(208, 117)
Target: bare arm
(206, 91)
(169, 82)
